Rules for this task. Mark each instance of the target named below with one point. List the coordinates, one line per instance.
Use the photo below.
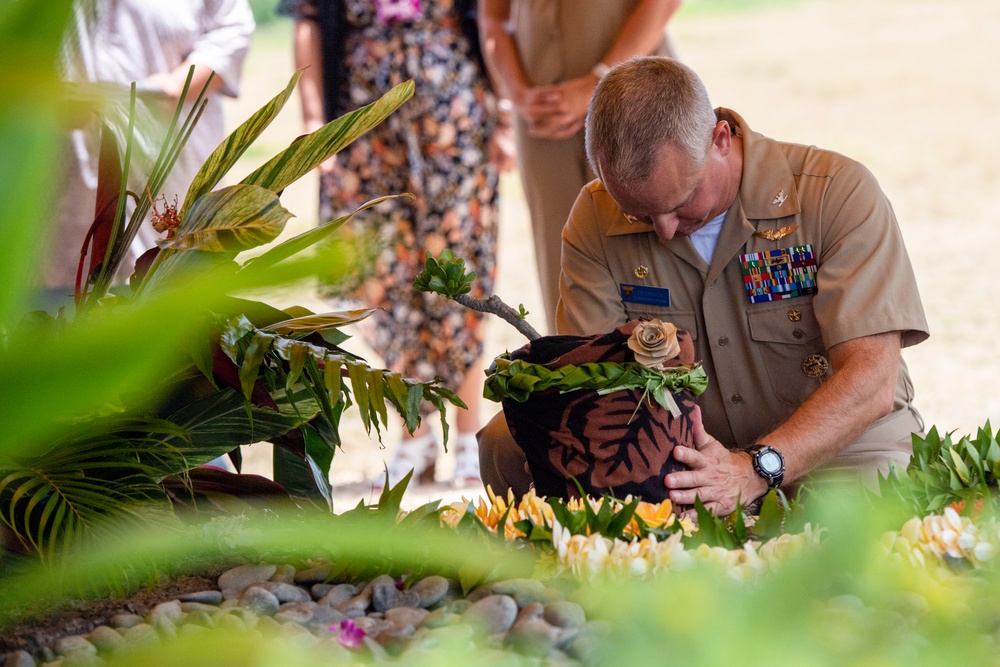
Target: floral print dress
(435, 147)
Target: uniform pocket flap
(792, 323)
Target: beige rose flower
(654, 343)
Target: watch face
(770, 462)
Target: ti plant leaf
(229, 151)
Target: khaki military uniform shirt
(758, 356)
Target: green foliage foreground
(856, 597)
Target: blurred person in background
(153, 44)
(547, 57)
(438, 146)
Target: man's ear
(722, 137)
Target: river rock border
(304, 606)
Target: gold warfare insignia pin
(641, 271)
(794, 314)
(815, 366)
(775, 234)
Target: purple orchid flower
(348, 634)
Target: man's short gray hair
(640, 106)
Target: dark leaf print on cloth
(620, 443)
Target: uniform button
(799, 333)
(736, 398)
(723, 341)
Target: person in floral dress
(437, 147)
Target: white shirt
(704, 239)
(121, 41)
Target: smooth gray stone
(285, 574)
(230, 622)
(533, 637)
(204, 597)
(126, 620)
(402, 616)
(371, 625)
(358, 603)
(143, 634)
(477, 594)
(200, 617)
(493, 614)
(286, 592)
(338, 594)
(242, 577)
(431, 590)
(324, 615)
(459, 606)
(105, 638)
(319, 591)
(439, 618)
(296, 612)
(170, 611)
(260, 601)
(524, 591)
(19, 659)
(75, 644)
(166, 627)
(565, 614)
(192, 607)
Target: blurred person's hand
(503, 152)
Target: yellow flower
(654, 343)
(659, 515)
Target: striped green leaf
(230, 220)
(308, 153)
(319, 322)
(229, 151)
(297, 244)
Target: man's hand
(718, 476)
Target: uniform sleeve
(588, 297)
(227, 26)
(866, 282)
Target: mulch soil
(79, 617)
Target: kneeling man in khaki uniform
(786, 264)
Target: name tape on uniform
(644, 294)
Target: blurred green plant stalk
(139, 388)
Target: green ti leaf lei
(518, 379)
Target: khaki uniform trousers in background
(558, 40)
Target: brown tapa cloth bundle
(584, 435)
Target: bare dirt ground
(908, 87)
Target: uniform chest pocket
(789, 343)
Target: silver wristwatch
(768, 463)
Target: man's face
(680, 197)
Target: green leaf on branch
(445, 275)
